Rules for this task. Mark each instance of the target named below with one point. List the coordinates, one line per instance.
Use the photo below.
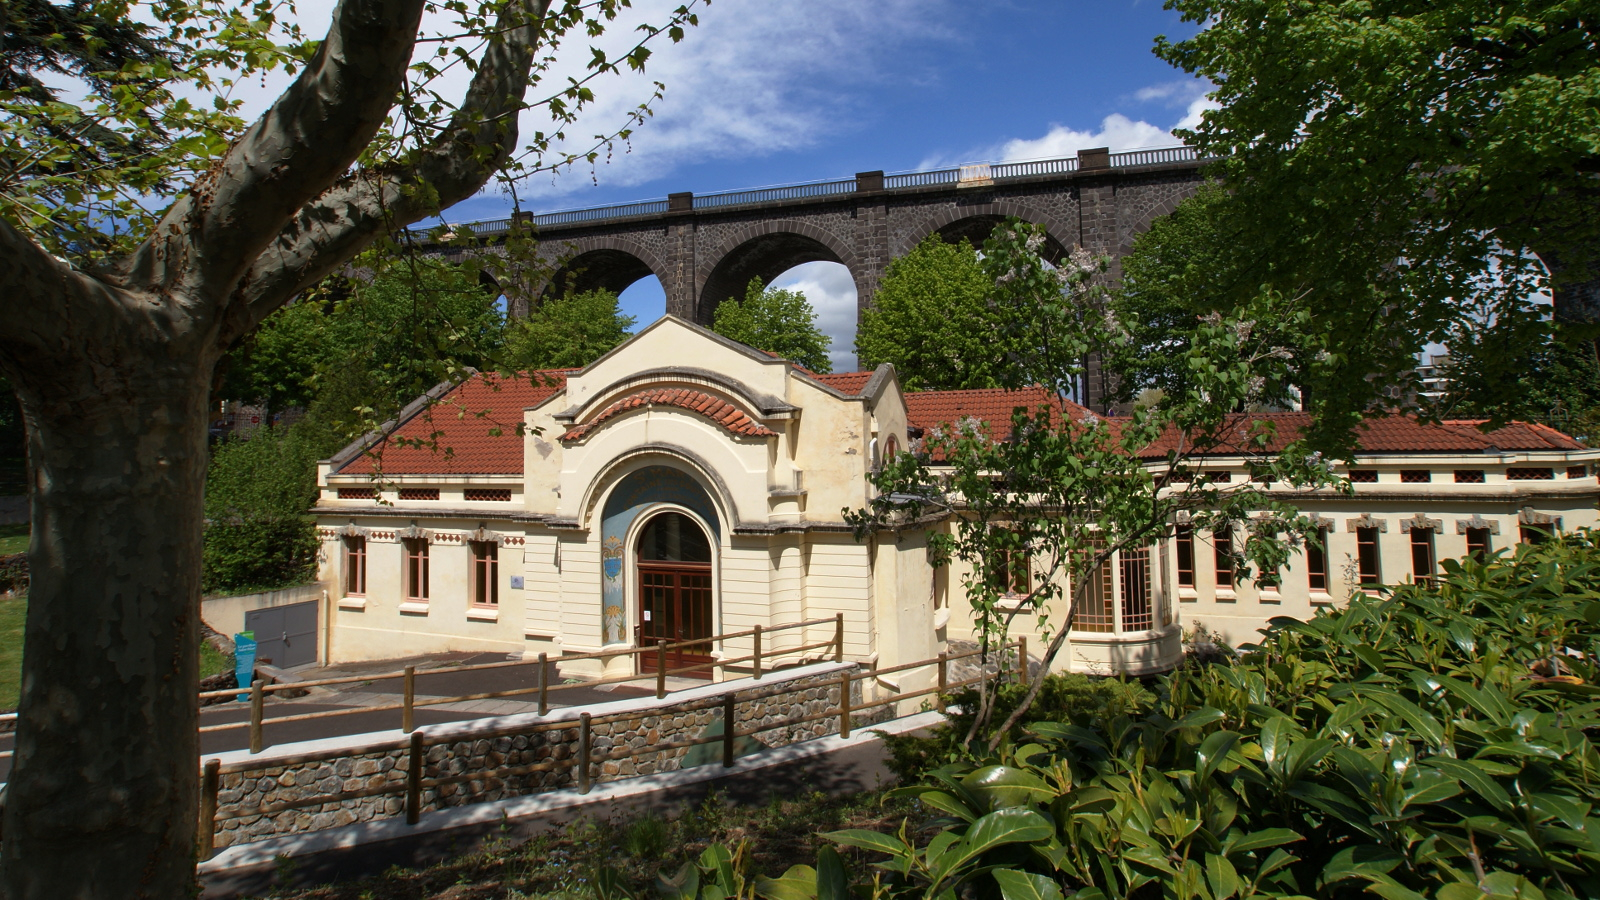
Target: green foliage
(566, 333)
(258, 491)
(1435, 743)
(1064, 697)
(1066, 488)
(1402, 168)
(1554, 384)
(931, 319)
(646, 837)
(780, 322)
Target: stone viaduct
(706, 248)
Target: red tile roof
(1390, 434)
(458, 430)
(926, 409)
(720, 411)
(846, 383)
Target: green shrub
(1064, 697)
(1433, 743)
(258, 492)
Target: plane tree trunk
(103, 795)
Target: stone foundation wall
(535, 743)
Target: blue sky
(777, 91)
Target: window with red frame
(1422, 562)
(355, 566)
(416, 551)
(1137, 611)
(1184, 540)
(1317, 561)
(485, 573)
(1367, 559)
(1478, 545)
(1222, 556)
(1012, 572)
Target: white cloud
(1117, 131)
(754, 78)
(832, 293)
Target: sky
(768, 92)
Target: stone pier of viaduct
(706, 248)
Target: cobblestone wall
(479, 757)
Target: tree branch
(325, 232)
(313, 133)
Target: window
(1469, 476)
(1012, 574)
(490, 495)
(419, 493)
(1535, 534)
(1317, 561)
(485, 573)
(357, 493)
(1364, 476)
(1367, 556)
(1577, 471)
(1185, 542)
(416, 550)
(1478, 546)
(1422, 555)
(1530, 473)
(1415, 476)
(1222, 546)
(1219, 477)
(1137, 614)
(355, 566)
(1096, 614)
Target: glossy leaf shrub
(1434, 742)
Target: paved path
(438, 677)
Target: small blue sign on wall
(516, 582)
(244, 660)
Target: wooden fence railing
(586, 757)
(409, 702)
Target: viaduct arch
(705, 249)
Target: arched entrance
(674, 563)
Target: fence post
(583, 753)
(756, 659)
(257, 701)
(838, 637)
(210, 783)
(408, 714)
(844, 705)
(728, 720)
(944, 678)
(414, 781)
(544, 685)
(661, 668)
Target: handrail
(901, 181)
(586, 759)
(409, 703)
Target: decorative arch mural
(636, 492)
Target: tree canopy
(930, 317)
(149, 221)
(566, 332)
(1400, 168)
(776, 321)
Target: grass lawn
(14, 609)
(561, 864)
(13, 539)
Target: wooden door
(675, 606)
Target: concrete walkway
(832, 764)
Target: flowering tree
(1072, 490)
(144, 230)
